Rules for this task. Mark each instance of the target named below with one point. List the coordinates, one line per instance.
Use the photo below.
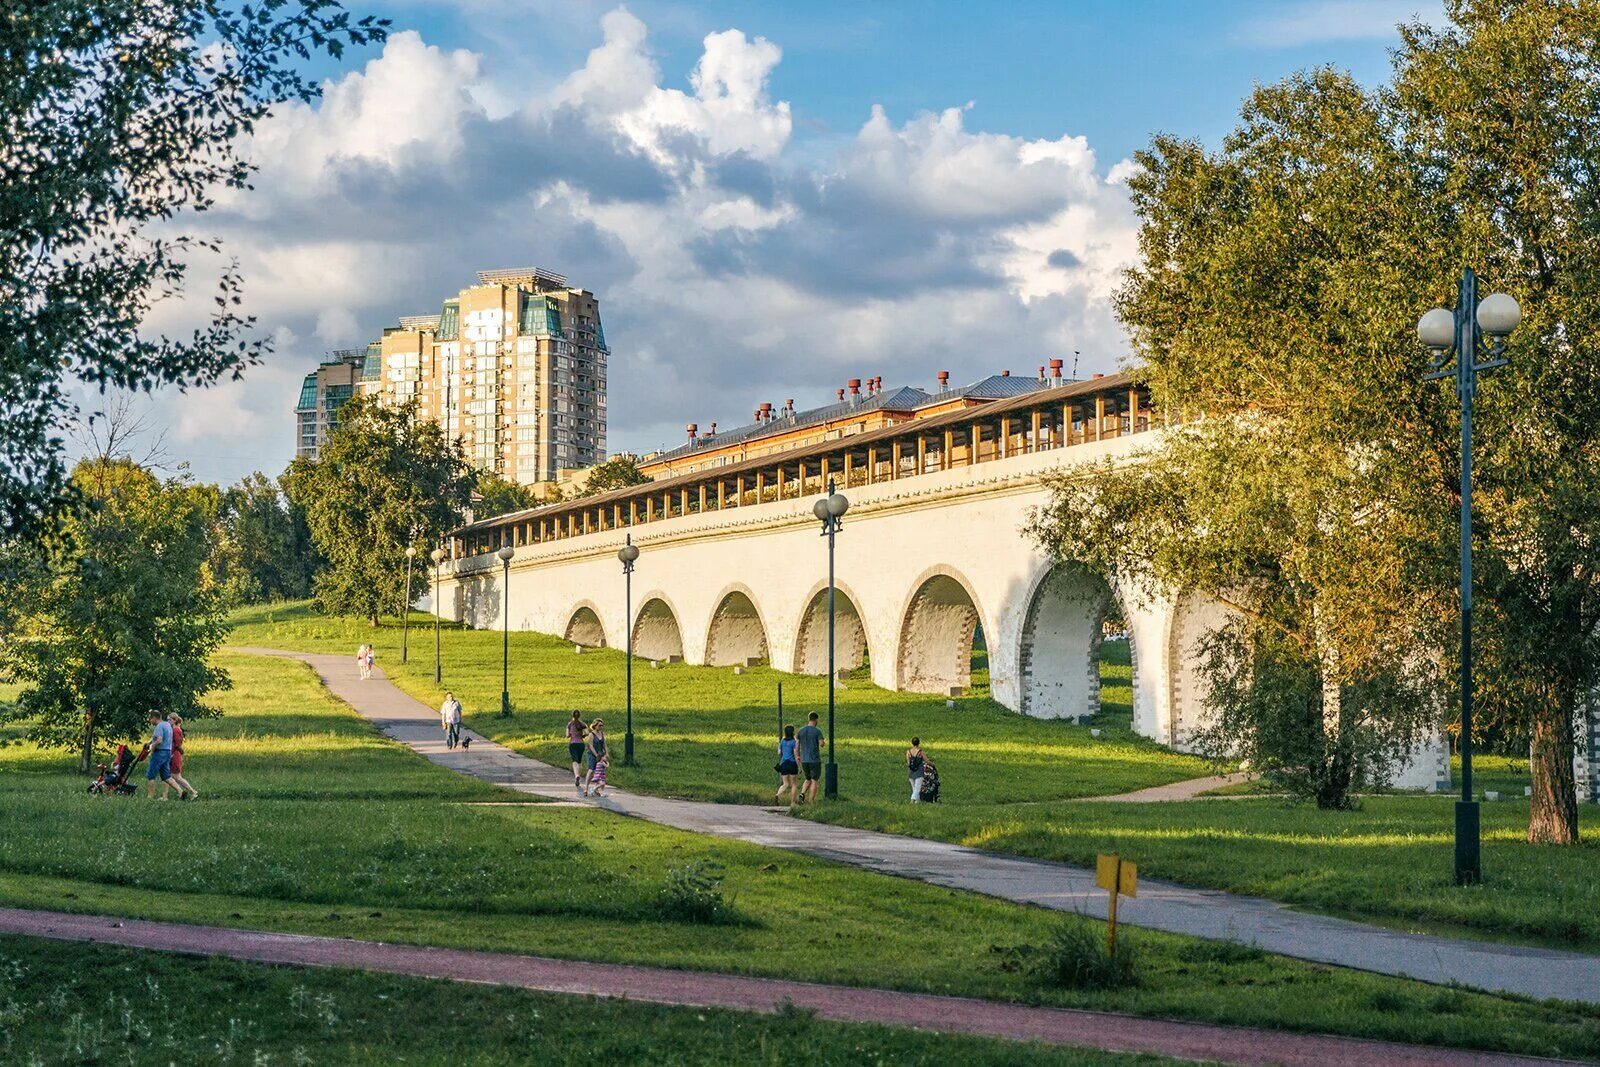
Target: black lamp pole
(405, 608)
(628, 553)
(505, 553)
(1461, 332)
(437, 555)
(830, 509)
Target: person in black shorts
(575, 732)
(809, 744)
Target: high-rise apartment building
(514, 366)
(323, 392)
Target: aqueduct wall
(921, 563)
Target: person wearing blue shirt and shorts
(160, 764)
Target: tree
(497, 496)
(1278, 284)
(120, 617)
(384, 479)
(615, 473)
(1270, 298)
(1503, 107)
(263, 547)
(116, 118)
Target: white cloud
(732, 264)
(1290, 25)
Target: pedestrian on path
(372, 658)
(787, 767)
(810, 747)
(185, 790)
(914, 761)
(575, 731)
(160, 749)
(450, 720)
(362, 668)
(594, 753)
(597, 780)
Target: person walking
(809, 743)
(372, 658)
(575, 731)
(594, 752)
(185, 790)
(914, 763)
(787, 767)
(361, 662)
(160, 749)
(450, 720)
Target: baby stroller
(930, 783)
(114, 779)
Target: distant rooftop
(538, 277)
(419, 322)
(906, 398)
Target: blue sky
(767, 199)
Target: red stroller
(114, 779)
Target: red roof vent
(1005, 374)
(1097, 376)
(944, 380)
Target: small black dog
(466, 743)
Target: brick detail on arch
(1059, 657)
(584, 627)
(737, 636)
(936, 637)
(656, 634)
(849, 637)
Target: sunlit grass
(313, 823)
(707, 733)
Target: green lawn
(313, 824)
(1007, 780)
(706, 733)
(132, 1007)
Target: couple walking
(365, 658)
(591, 759)
(800, 751)
(165, 750)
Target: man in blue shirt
(160, 764)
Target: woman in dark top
(575, 732)
(788, 767)
(914, 762)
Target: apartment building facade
(514, 366)
(322, 393)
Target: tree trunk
(1553, 810)
(86, 758)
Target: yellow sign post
(1118, 877)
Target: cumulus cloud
(732, 264)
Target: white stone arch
(584, 626)
(657, 633)
(936, 628)
(851, 643)
(737, 632)
(1058, 652)
(1193, 616)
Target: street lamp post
(505, 553)
(830, 509)
(405, 607)
(1461, 332)
(437, 555)
(627, 554)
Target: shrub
(1076, 957)
(693, 894)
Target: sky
(767, 199)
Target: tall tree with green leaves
(497, 496)
(116, 118)
(120, 616)
(615, 473)
(384, 479)
(263, 547)
(1279, 282)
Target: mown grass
(402, 851)
(134, 1007)
(1006, 779)
(708, 734)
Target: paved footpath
(1533, 972)
(1058, 1026)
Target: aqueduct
(732, 570)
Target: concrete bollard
(738, 670)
